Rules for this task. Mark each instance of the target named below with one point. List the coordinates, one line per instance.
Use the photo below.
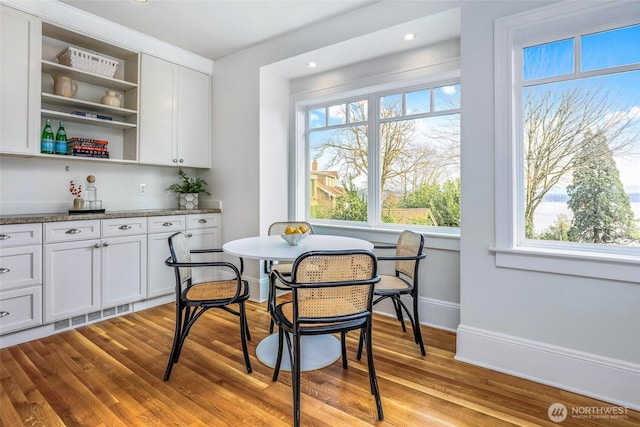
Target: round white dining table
(317, 351)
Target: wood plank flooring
(110, 374)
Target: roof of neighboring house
(332, 191)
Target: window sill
(625, 268)
(448, 239)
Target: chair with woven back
(284, 267)
(194, 299)
(332, 292)
(404, 282)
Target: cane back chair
(332, 292)
(194, 299)
(408, 253)
(284, 267)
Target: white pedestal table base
(316, 351)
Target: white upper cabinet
(175, 114)
(19, 82)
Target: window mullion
(373, 159)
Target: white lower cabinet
(71, 279)
(81, 270)
(124, 270)
(161, 279)
(20, 276)
(83, 276)
(202, 231)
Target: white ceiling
(216, 28)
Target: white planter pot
(188, 200)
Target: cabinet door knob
(4, 313)
(175, 160)
(167, 224)
(105, 244)
(189, 235)
(181, 161)
(202, 221)
(73, 231)
(4, 270)
(4, 237)
(124, 227)
(97, 245)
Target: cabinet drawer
(71, 230)
(20, 309)
(123, 227)
(163, 224)
(20, 234)
(20, 267)
(195, 222)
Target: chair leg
(373, 379)
(244, 328)
(397, 304)
(276, 368)
(343, 344)
(173, 356)
(360, 341)
(415, 323)
(295, 379)
(416, 326)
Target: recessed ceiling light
(311, 64)
(409, 37)
(141, 1)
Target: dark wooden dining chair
(332, 292)
(284, 267)
(194, 299)
(404, 281)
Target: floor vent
(61, 324)
(78, 320)
(91, 317)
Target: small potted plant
(188, 188)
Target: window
(388, 157)
(568, 159)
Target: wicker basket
(87, 61)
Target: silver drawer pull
(189, 235)
(124, 227)
(4, 237)
(4, 270)
(202, 221)
(97, 245)
(73, 231)
(105, 244)
(4, 313)
(167, 224)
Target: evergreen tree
(601, 209)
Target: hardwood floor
(110, 374)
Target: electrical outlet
(142, 190)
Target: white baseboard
(433, 312)
(607, 379)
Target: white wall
(41, 185)
(575, 333)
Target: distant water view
(548, 211)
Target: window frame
(511, 250)
(372, 94)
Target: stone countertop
(62, 216)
